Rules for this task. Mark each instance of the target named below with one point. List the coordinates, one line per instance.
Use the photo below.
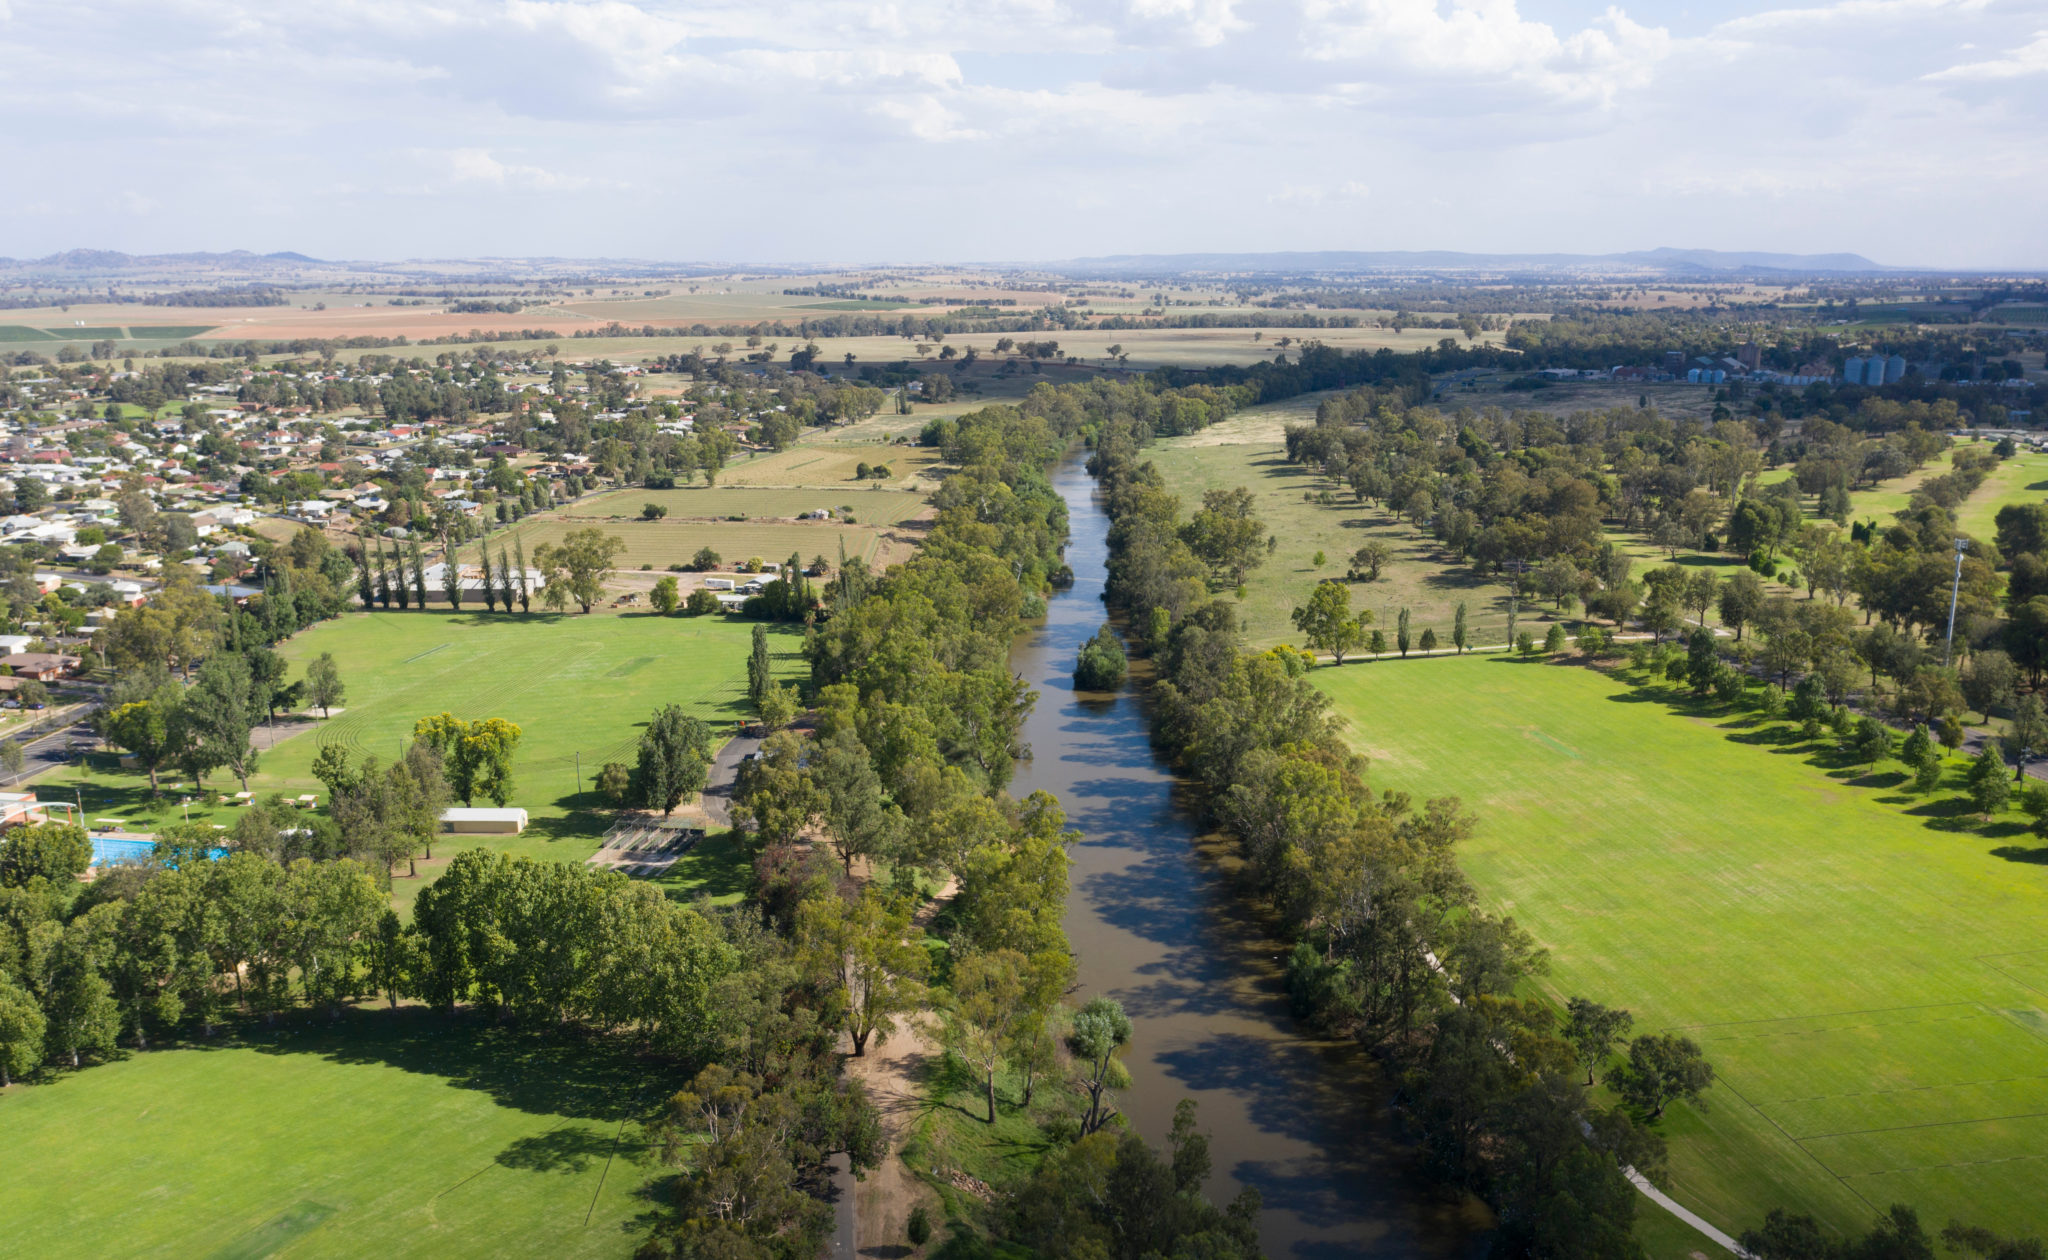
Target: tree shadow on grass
(2015, 853)
(719, 865)
(541, 1071)
(942, 1076)
(1957, 814)
(573, 1148)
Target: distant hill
(115, 260)
(1668, 261)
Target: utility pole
(1954, 590)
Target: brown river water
(1157, 925)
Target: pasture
(1247, 450)
(579, 687)
(825, 463)
(1864, 968)
(867, 501)
(378, 1134)
(659, 544)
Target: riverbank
(1157, 923)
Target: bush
(700, 602)
(920, 1228)
(1102, 662)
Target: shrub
(920, 1227)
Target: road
(725, 768)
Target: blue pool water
(108, 852)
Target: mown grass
(2021, 479)
(388, 1133)
(576, 685)
(1864, 967)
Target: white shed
(483, 822)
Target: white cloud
(479, 166)
(2032, 59)
(404, 127)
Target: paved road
(48, 751)
(725, 768)
(843, 1245)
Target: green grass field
(1248, 451)
(2021, 479)
(574, 684)
(1866, 970)
(380, 1134)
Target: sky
(1914, 132)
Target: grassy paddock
(829, 465)
(871, 505)
(1863, 968)
(384, 1133)
(663, 543)
(1248, 451)
(574, 684)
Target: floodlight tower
(1955, 589)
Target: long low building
(463, 820)
(472, 578)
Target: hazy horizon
(1903, 130)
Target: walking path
(1635, 1178)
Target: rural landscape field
(1132, 631)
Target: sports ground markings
(1878, 1045)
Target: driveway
(725, 768)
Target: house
(42, 666)
(12, 643)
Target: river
(1156, 925)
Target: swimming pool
(110, 852)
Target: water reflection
(1157, 927)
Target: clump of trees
(1102, 662)
(1393, 946)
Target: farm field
(574, 684)
(823, 462)
(1864, 970)
(871, 505)
(378, 1134)
(659, 544)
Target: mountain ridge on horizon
(1668, 260)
